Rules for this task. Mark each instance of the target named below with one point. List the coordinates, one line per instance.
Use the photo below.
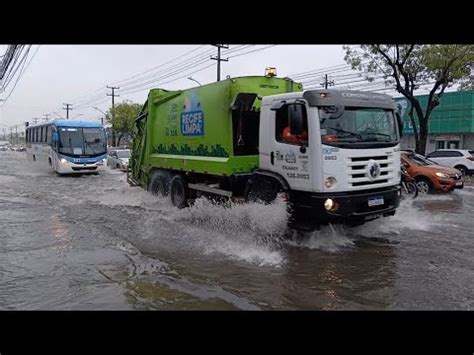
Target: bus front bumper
(67, 167)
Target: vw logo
(373, 169)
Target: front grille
(358, 175)
(363, 183)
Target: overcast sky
(61, 74)
(67, 73)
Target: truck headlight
(64, 161)
(330, 182)
(442, 175)
(330, 205)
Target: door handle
(272, 158)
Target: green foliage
(407, 67)
(123, 117)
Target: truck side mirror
(295, 114)
(399, 123)
(334, 111)
(276, 105)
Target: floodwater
(93, 242)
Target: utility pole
(16, 133)
(35, 120)
(219, 59)
(67, 108)
(327, 82)
(11, 135)
(113, 88)
(4, 134)
(46, 116)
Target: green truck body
(196, 130)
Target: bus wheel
(179, 192)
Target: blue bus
(67, 146)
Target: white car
(118, 159)
(460, 159)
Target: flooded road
(93, 242)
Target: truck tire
(261, 189)
(159, 183)
(179, 192)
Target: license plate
(375, 201)
(458, 183)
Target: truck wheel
(179, 192)
(159, 183)
(261, 189)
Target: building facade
(451, 124)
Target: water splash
(330, 238)
(251, 232)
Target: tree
(467, 83)
(407, 67)
(124, 116)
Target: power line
(149, 78)
(181, 77)
(22, 71)
(135, 84)
(178, 64)
(170, 74)
(255, 50)
(159, 66)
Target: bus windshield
(358, 125)
(82, 141)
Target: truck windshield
(374, 126)
(82, 141)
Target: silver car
(118, 159)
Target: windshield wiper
(381, 134)
(348, 132)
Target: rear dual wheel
(159, 183)
(179, 191)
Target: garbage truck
(332, 155)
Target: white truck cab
(337, 151)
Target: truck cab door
(290, 151)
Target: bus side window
(48, 134)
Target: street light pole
(190, 78)
(102, 118)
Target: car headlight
(442, 175)
(330, 182)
